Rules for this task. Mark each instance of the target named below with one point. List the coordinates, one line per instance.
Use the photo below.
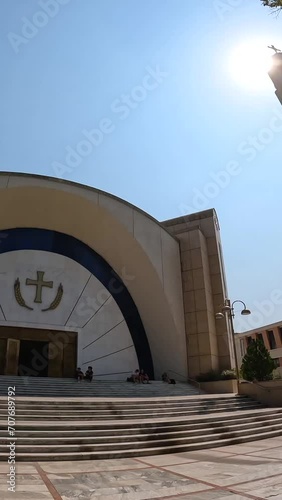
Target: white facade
(138, 249)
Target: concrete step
(130, 401)
(125, 444)
(57, 387)
(122, 409)
(121, 402)
(107, 405)
(175, 427)
(67, 400)
(153, 434)
(144, 425)
(95, 394)
(130, 413)
(46, 440)
(31, 456)
(126, 416)
(111, 420)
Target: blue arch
(63, 244)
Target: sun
(250, 63)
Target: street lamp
(228, 310)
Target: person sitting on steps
(144, 377)
(89, 374)
(165, 378)
(79, 375)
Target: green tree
(276, 5)
(257, 364)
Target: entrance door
(37, 352)
(3, 355)
(12, 356)
(33, 358)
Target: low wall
(268, 393)
(278, 371)
(219, 386)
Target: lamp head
(226, 309)
(245, 312)
(219, 316)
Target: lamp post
(228, 310)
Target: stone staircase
(64, 387)
(77, 428)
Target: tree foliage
(273, 4)
(257, 363)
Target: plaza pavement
(245, 471)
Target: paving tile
(23, 479)
(21, 468)
(263, 444)
(165, 476)
(91, 465)
(275, 453)
(269, 488)
(160, 460)
(29, 487)
(205, 455)
(27, 495)
(250, 459)
(239, 448)
(131, 485)
(228, 473)
(211, 495)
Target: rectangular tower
(209, 342)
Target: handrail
(262, 386)
(255, 383)
(187, 378)
(195, 382)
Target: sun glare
(249, 65)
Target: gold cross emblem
(39, 283)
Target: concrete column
(202, 347)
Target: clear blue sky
(165, 143)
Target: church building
(87, 279)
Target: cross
(274, 48)
(39, 283)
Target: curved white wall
(104, 340)
(143, 254)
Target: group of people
(139, 377)
(87, 376)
